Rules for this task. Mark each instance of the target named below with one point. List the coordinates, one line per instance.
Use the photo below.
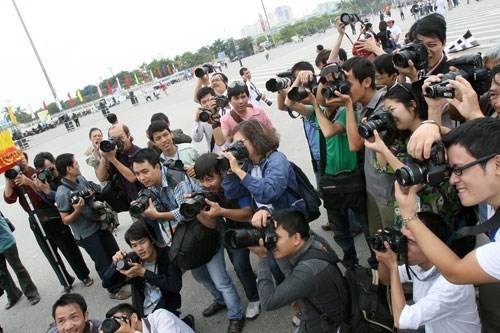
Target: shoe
(236, 325)
(189, 320)
(213, 309)
(66, 290)
(121, 295)
(326, 226)
(10, 304)
(253, 310)
(34, 300)
(296, 320)
(88, 282)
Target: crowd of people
(396, 144)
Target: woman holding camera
(409, 111)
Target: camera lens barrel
(107, 146)
(109, 325)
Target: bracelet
(408, 219)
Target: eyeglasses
(459, 170)
(236, 83)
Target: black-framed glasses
(236, 83)
(459, 170)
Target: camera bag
(307, 193)
(114, 195)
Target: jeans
(213, 275)
(240, 258)
(101, 247)
(6, 282)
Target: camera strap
(68, 184)
(484, 227)
(236, 117)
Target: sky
(83, 42)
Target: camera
(110, 325)
(470, 68)
(124, 264)
(241, 238)
(110, 144)
(380, 121)
(173, 164)
(340, 84)
(433, 171)
(347, 18)
(203, 70)
(141, 203)
(13, 172)
(45, 175)
(283, 81)
(299, 93)
(196, 203)
(259, 98)
(74, 196)
(415, 52)
(221, 101)
(392, 236)
(238, 150)
(205, 115)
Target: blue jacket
(277, 176)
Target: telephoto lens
(13, 172)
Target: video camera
(238, 150)
(283, 81)
(347, 18)
(392, 236)
(203, 70)
(416, 52)
(432, 171)
(74, 196)
(380, 121)
(470, 68)
(13, 172)
(110, 144)
(196, 203)
(241, 238)
(45, 175)
(141, 203)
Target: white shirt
(488, 257)
(395, 31)
(254, 94)
(439, 305)
(163, 321)
(200, 130)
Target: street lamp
(268, 24)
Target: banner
(45, 106)
(110, 90)
(144, 77)
(159, 71)
(164, 70)
(169, 69)
(89, 93)
(465, 42)
(71, 102)
(44, 116)
(99, 91)
(12, 116)
(79, 94)
(127, 81)
(118, 83)
(136, 79)
(151, 73)
(30, 109)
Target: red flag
(179, 65)
(45, 106)
(127, 81)
(169, 69)
(110, 90)
(71, 102)
(159, 71)
(144, 77)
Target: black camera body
(221, 101)
(196, 203)
(470, 68)
(124, 264)
(392, 236)
(416, 52)
(347, 18)
(340, 84)
(238, 150)
(74, 196)
(283, 81)
(241, 238)
(432, 171)
(173, 164)
(13, 172)
(141, 203)
(46, 175)
(380, 121)
(259, 98)
(110, 325)
(205, 115)
(110, 144)
(203, 70)
(299, 93)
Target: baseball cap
(389, 19)
(361, 53)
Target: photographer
(206, 127)
(255, 95)
(439, 305)
(234, 215)
(218, 82)
(316, 283)
(93, 153)
(156, 282)
(83, 218)
(58, 236)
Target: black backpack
(307, 192)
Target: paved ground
(480, 18)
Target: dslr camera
(110, 325)
(340, 84)
(110, 144)
(45, 175)
(283, 81)
(74, 196)
(221, 101)
(173, 164)
(392, 236)
(13, 172)
(347, 18)
(259, 98)
(299, 93)
(241, 238)
(124, 264)
(205, 115)
(196, 203)
(432, 171)
(203, 70)
(380, 121)
(416, 52)
(141, 203)
(238, 150)
(470, 68)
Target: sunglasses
(459, 170)
(236, 83)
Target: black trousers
(62, 240)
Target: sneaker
(253, 310)
(66, 290)
(189, 320)
(213, 309)
(236, 325)
(326, 226)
